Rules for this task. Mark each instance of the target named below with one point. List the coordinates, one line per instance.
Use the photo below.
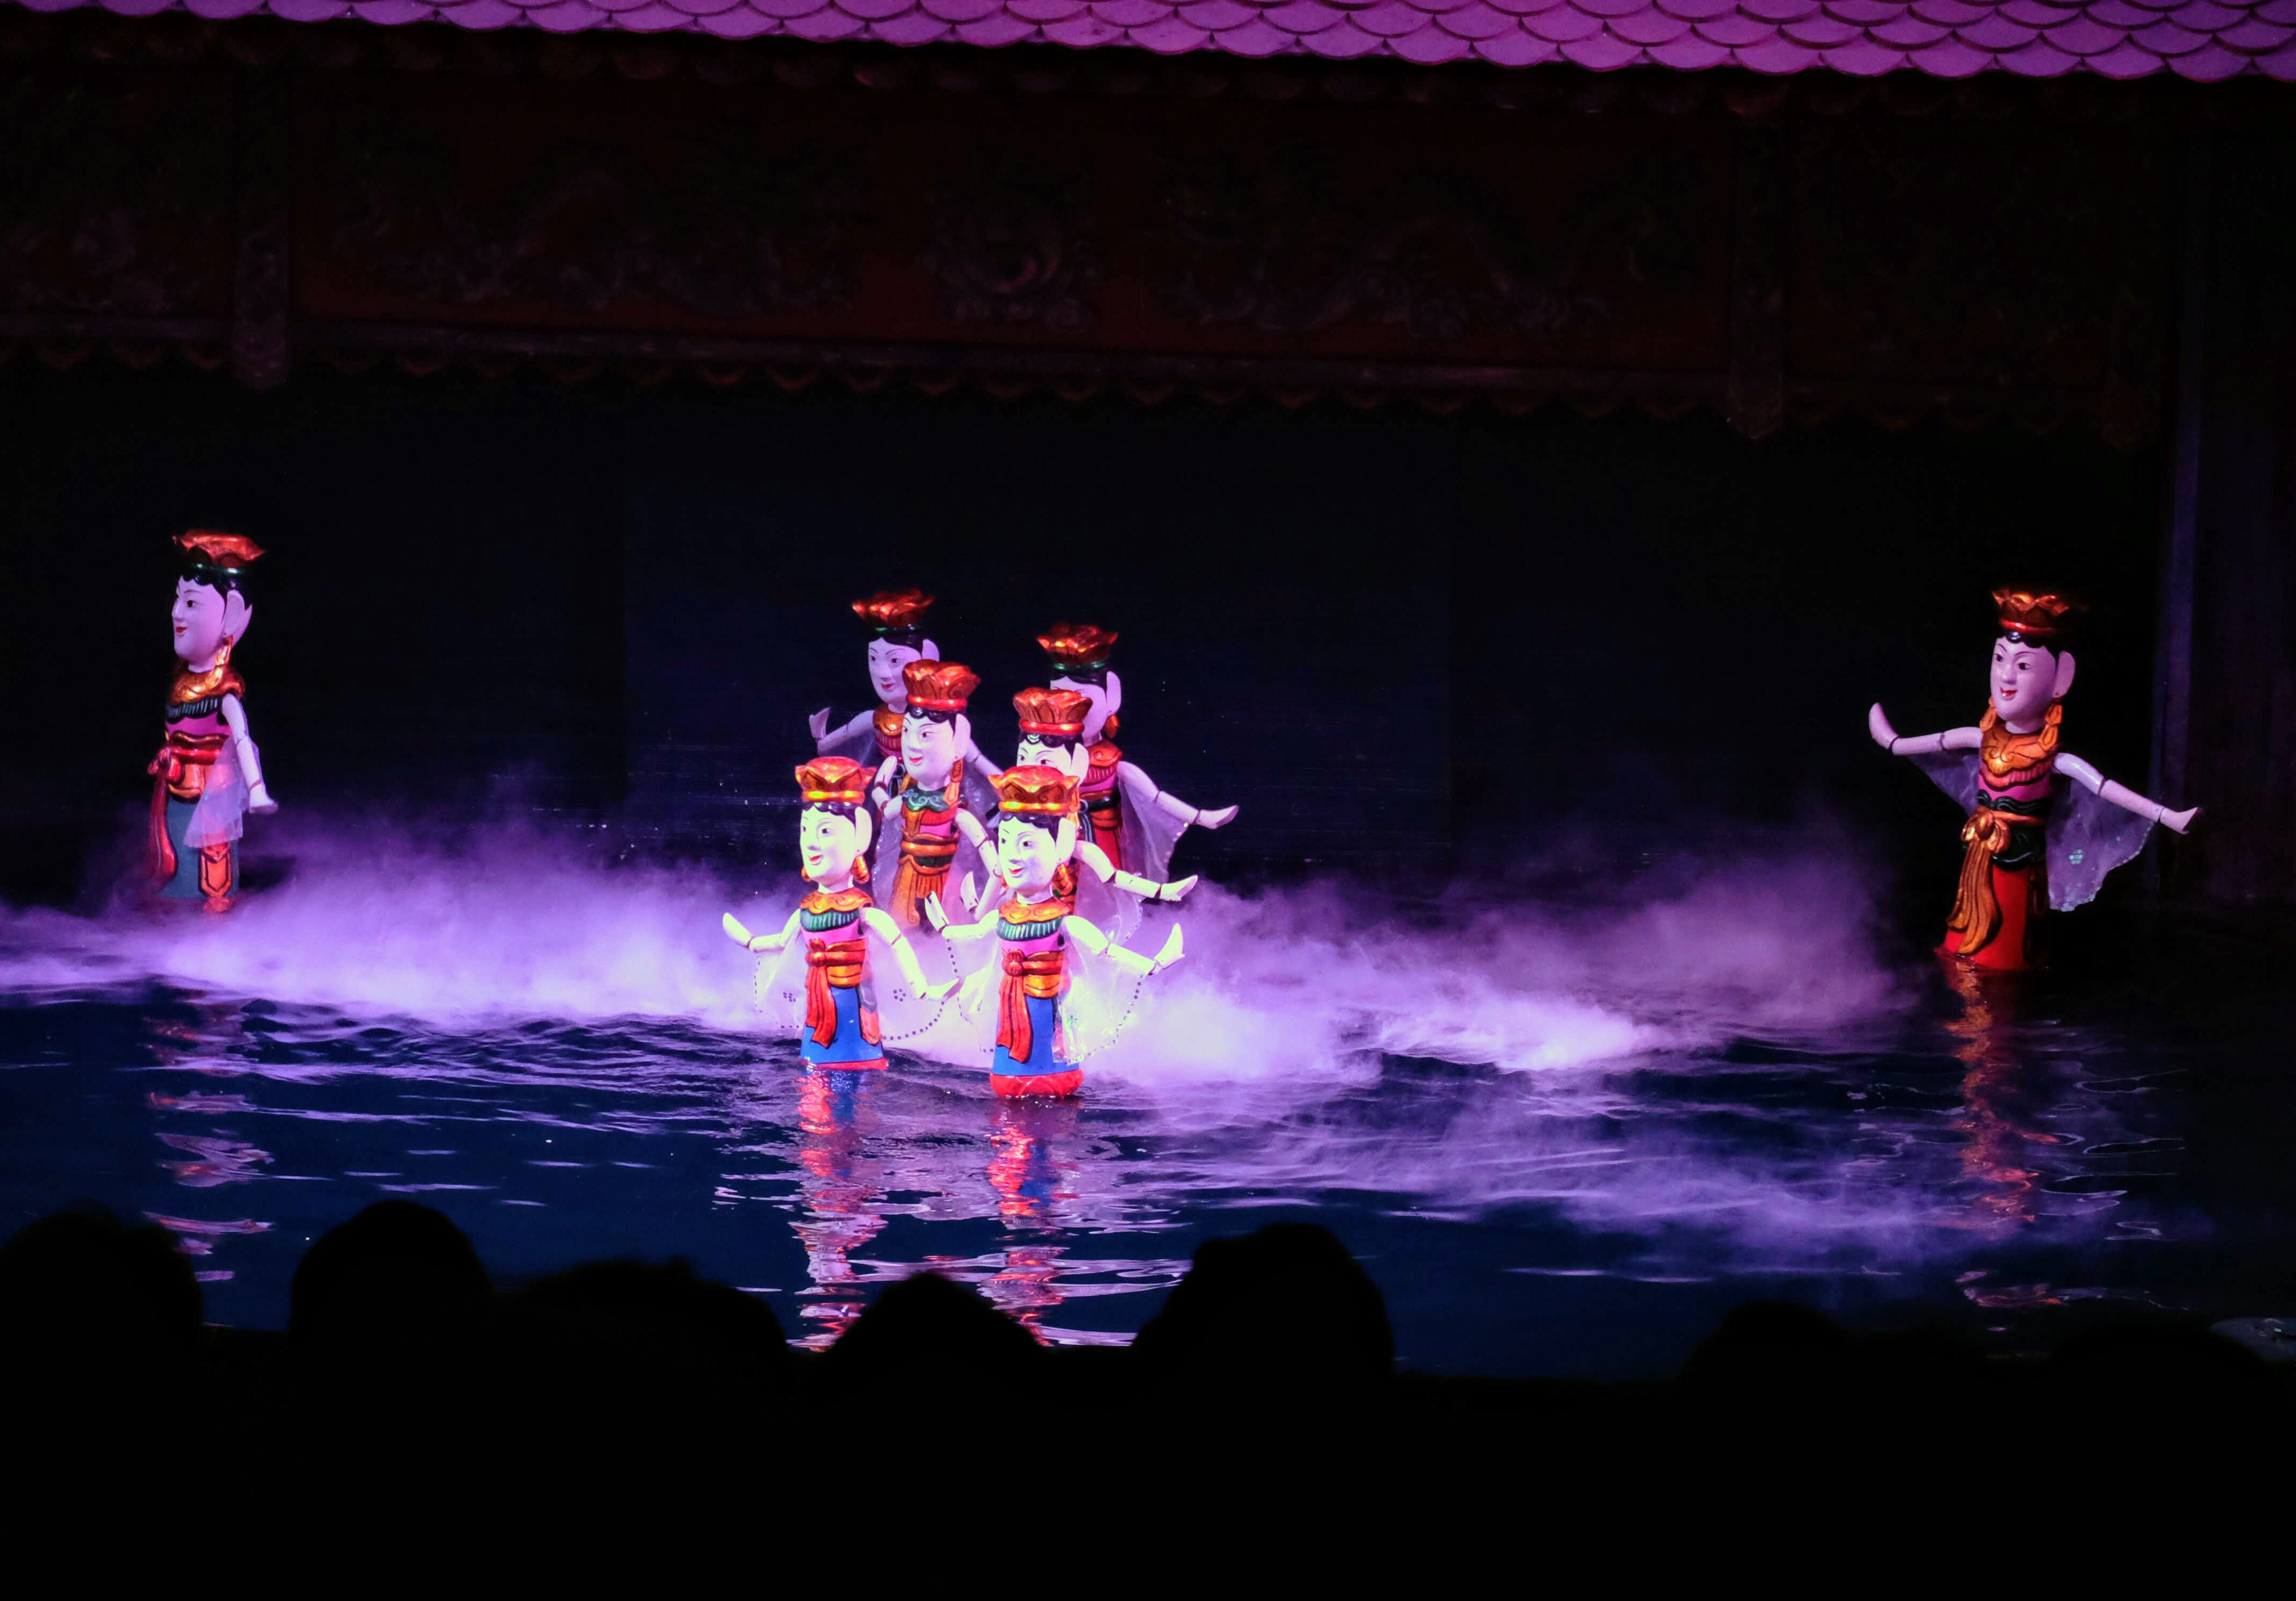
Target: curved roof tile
(2201, 39)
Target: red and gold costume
(841, 1028)
(1032, 1055)
(929, 840)
(2003, 893)
(197, 742)
(2004, 869)
(199, 795)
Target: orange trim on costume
(1038, 974)
(829, 965)
(215, 876)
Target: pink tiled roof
(2203, 39)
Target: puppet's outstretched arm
(760, 943)
(1147, 889)
(905, 956)
(817, 725)
(2105, 789)
(975, 835)
(1085, 934)
(976, 762)
(1172, 806)
(981, 902)
(1919, 745)
(938, 915)
(251, 762)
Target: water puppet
(2044, 826)
(1134, 822)
(207, 775)
(1058, 977)
(1052, 736)
(896, 618)
(824, 984)
(932, 799)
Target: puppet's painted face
(2025, 680)
(199, 616)
(1059, 754)
(827, 843)
(1028, 855)
(886, 661)
(930, 745)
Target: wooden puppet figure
(896, 620)
(1132, 821)
(2036, 837)
(1053, 968)
(1052, 736)
(207, 775)
(825, 983)
(932, 801)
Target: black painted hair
(2056, 647)
(932, 713)
(221, 579)
(1036, 819)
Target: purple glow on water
(1705, 1088)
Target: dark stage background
(1401, 642)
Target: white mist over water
(1310, 982)
(1295, 1058)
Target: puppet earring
(223, 652)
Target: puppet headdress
(1036, 792)
(833, 781)
(939, 686)
(1052, 714)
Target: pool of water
(1562, 1143)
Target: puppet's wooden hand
(1878, 725)
(1171, 952)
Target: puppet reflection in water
(1034, 1177)
(1999, 1101)
(850, 1164)
(843, 1194)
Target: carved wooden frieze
(115, 195)
(1767, 253)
